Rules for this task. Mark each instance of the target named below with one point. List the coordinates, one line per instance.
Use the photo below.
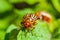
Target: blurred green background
(12, 12)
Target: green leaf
(5, 6)
(11, 33)
(2, 35)
(40, 32)
(10, 28)
(56, 4)
(15, 1)
(31, 2)
(5, 22)
(56, 33)
(53, 26)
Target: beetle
(29, 20)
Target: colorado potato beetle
(29, 20)
(44, 16)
